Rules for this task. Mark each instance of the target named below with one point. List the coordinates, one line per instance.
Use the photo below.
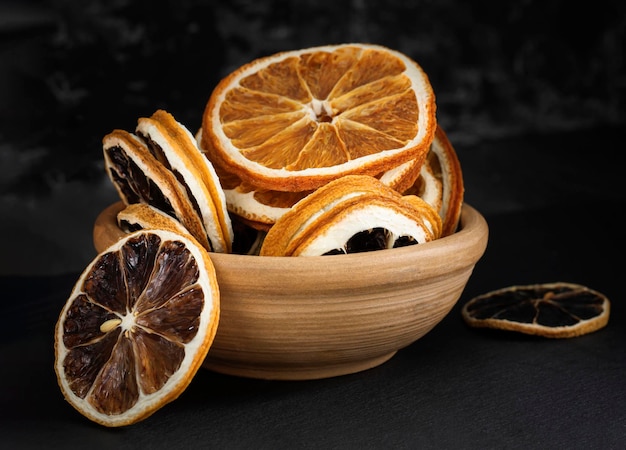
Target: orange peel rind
(295, 120)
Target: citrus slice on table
(176, 148)
(554, 310)
(340, 217)
(296, 120)
(136, 327)
(139, 177)
(440, 182)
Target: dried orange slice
(327, 220)
(261, 208)
(364, 224)
(402, 177)
(295, 120)
(258, 208)
(175, 147)
(139, 177)
(440, 182)
(136, 327)
(554, 310)
(429, 216)
(309, 208)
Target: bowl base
(292, 373)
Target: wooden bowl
(296, 318)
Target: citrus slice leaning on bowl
(295, 120)
(554, 310)
(136, 327)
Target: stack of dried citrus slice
(319, 151)
(352, 214)
(284, 125)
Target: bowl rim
(460, 249)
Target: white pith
(365, 218)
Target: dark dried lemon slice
(139, 177)
(136, 327)
(176, 148)
(555, 310)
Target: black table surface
(457, 387)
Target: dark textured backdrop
(71, 71)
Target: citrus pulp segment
(136, 327)
(296, 120)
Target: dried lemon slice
(175, 147)
(554, 310)
(428, 186)
(322, 212)
(139, 177)
(140, 216)
(441, 182)
(295, 120)
(136, 327)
